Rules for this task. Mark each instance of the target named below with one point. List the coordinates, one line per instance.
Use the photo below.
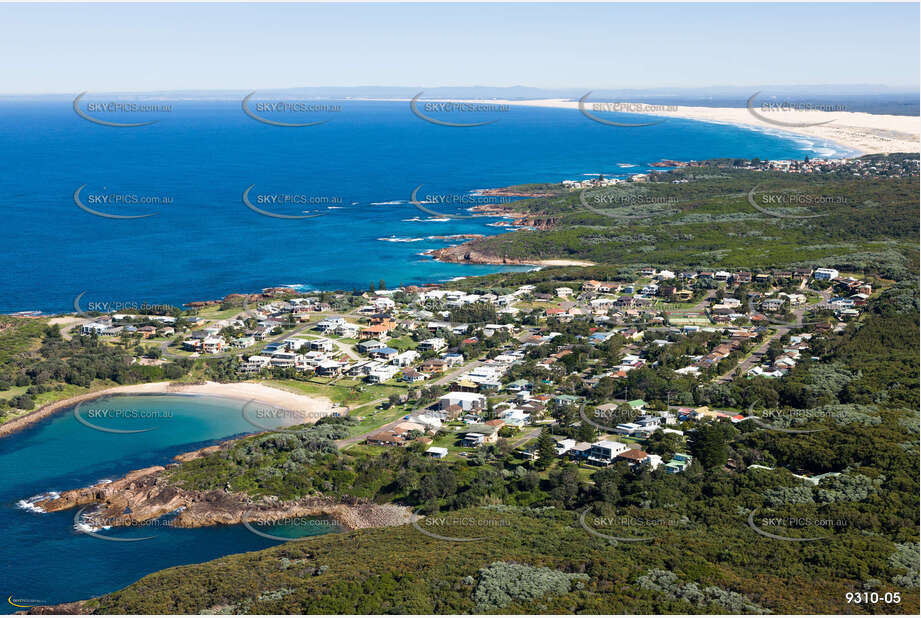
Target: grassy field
(344, 392)
(61, 391)
(372, 419)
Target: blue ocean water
(367, 160)
(206, 243)
(46, 560)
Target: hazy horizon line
(843, 89)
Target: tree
(381, 285)
(708, 445)
(585, 432)
(546, 449)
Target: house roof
(634, 454)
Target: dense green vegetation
(869, 224)
(696, 542)
(702, 556)
(37, 359)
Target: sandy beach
(564, 263)
(858, 131)
(309, 408)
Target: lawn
(65, 391)
(402, 343)
(214, 312)
(344, 392)
(372, 418)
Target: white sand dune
(859, 131)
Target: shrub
(501, 583)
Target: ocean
(358, 170)
(49, 559)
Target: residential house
(435, 344)
(604, 451)
(467, 401)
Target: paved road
(341, 444)
(527, 437)
(755, 357)
(447, 377)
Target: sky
(131, 47)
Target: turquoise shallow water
(206, 243)
(46, 559)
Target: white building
(467, 401)
(435, 344)
(382, 373)
(606, 450)
(255, 363)
(825, 274)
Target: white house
(320, 345)
(382, 373)
(825, 274)
(606, 450)
(255, 363)
(405, 359)
(434, 344)
(467, 401)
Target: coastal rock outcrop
(147, 494)
(467, 254)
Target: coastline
(860, 132)
(462, 254)
(310, 408)
(146, 495)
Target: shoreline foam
(309, 407)
(858, 132)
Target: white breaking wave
(29, 504)
(81, 526)
(391, 203)
(428, 220)
(395, 239)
